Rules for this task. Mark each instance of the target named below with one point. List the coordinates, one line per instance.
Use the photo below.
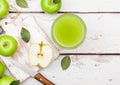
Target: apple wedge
(40, 54)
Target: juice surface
(68, 31)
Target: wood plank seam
(67, 12)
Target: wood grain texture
(75, 6)
(85, 70)
(43, 80)
(102, 32)
(16, 72)
(21, 56)
(102, 18)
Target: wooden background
(96, 61)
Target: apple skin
(38, 60)
(2, 69)
(8, 45)
(6, 80)
(4, 8)
(49, 7)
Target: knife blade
(34, 74)
(12, 69)
(29, 71)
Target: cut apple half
(35, 56)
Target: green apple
(6, 80)
(40, 56)
(8, 45)
(2, 69)
(4, 8)
(50, 6)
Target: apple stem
(5, 44)
(56, 1)
(41, 44)
(15, 17)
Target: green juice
(68, 31)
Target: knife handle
(43, 80)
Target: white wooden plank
(103, 34)
(103, 31)
(16, 72)
(84, 70)
(76, 5)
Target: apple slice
(40, 54)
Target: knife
(35, 74)
(32, 73)
(13, 70)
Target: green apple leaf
(22, 3)
(16, 82)
(25, 34)
(56, 1)
(65, 63)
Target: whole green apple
(4, 8)
(2, 69)
(8, 45)
(50, 6)
(6, 80)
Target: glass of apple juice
(68, 31)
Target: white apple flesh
(37, 59)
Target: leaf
(25, 34)
(17, 82)
(22, 3)
(65, 63)
(56, 1)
